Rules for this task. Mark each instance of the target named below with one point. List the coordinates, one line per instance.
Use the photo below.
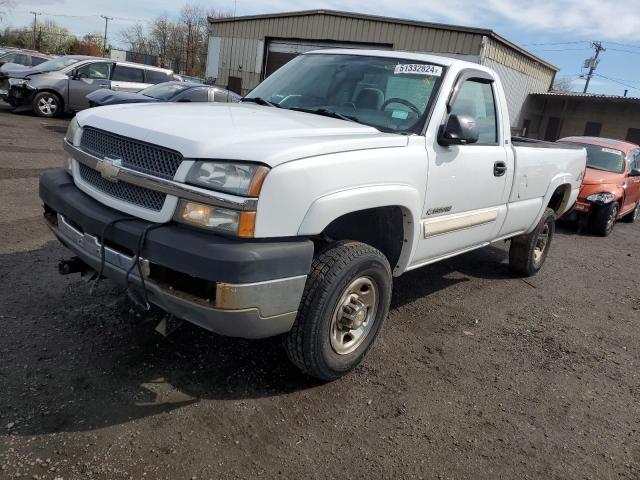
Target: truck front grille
(126, 192)
(136, 155)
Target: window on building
(476, 100)
(633, 135)
(592, 129)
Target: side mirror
(635, 172)
(459, 130)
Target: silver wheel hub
(47, 105)
(354, 315)
(541, 244)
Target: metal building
(244, 50)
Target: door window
(94, 71)
(122, 73)
(18, 58)
(195, 95)
(37, 60)
(476, 100)
(634, 160)
(155, 77)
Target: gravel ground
(477, 374)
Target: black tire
(527, 253)
(47, 104)
(634, 215)
(603, 218)
(310, 343)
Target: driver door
(86, 79)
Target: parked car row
(62, 85)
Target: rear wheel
(604, 219)
(47, 104)
(527, 253)
(345, 303)
(634, 215)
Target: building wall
(239, 48)
(250, 38)
(520, 75)
(616, 117)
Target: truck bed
(533, 143)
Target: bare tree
(563, 84)
(5, 7)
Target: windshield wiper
(260, 101)
(325, 113)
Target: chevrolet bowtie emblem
(109, 168)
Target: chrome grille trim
(126, 192)
(169, 187)
(136, 155)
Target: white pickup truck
(291, 212)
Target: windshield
(164, 91)
(605, 159)
(390, 94)
(56, 64)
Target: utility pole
(592, 63)
(106, 24)
(186, 66)
(35, 21)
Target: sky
(559, 31)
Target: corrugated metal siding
(247, 34)
(517, 86)
(515, 60)
(520, 74)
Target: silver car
(62, 84)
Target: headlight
(241, 224)
(20, 82)
(602, 197)
(73, 128)
(236, 178)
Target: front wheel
(344, 305)
(527, 253)
(47, 104)
(604, 218)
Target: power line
(624, 51)
(555, 43)
(615, 81)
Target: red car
(611, 185)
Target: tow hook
(72, 265)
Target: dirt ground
(477, 374)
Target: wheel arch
(384, 217)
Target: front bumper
(255, 286)
(18, 97)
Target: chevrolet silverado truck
(291, 212)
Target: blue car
(164, 92)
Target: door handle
(499, 169)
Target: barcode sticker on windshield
(418, 69)
(608, 150)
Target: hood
(594, 176)
(238, 131)
(104, 96)
(15, 70)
